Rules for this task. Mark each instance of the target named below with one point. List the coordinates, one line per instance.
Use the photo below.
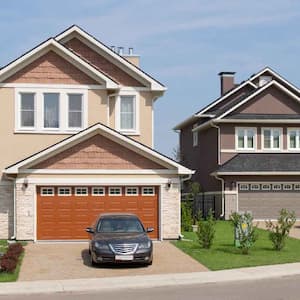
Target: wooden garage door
(265, 203)
(63, 213)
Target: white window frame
(266, 187)
(136, 130)
(100, 188)
(274, 188)
(254, 186)
(195, 136)
(81, 188)
(245, 138)
(287, 187)
(114, 188)
(39, 110)
(297, 129)
(135, 188)
(82, 110)
(64, 188)
(272, 129)
(148, 187)
(48, 189)
(244, 186)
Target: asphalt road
(286, 288)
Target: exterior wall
(202, 158)
(50, 68)
(6, 210)
(97, 107)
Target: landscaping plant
(279, 231)
(186, 216)
(206, 230)
(245, 231)
(9, 260)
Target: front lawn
(6, 277)
(223, 254)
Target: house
(77, 140)
(245, 146)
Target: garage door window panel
(132, 191)
(98, 191)
(266, 187)
(47, 191)
(276, 187)
(81, 191)
(255, 187)
(115, 191)
(148, 191)
(287, 187)
(64, 191)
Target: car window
(120, 225)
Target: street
(285, 288)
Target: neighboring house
(77, 140)
(245, 146)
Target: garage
(63, 212)
(265, 200)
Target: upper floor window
(195, 136)
(271, 138)
(42, 110)
(294, 138)
(245, 138)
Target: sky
(183, 44)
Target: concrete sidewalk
(148, 281)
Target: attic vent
(264, 80)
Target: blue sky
(184, 44)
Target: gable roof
(123, 62)
(111, 134)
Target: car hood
(121, 237)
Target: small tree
(186, 216)
(206, 230)
(245, 232)
(194, 190)
(279, 231)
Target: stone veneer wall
(170, 211)
(25, 212)
(230, 205)
(6, 210)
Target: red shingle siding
(50, 68)
(102, 63)
(98, 152)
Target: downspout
(222, 194)
(15, 210)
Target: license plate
(124, 257)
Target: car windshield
(120, 225)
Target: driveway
(49, 261)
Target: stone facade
(6, 210)
(230, 204)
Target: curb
(148, 281)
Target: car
(120, 238)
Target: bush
(7, 265)
(206, 230)
(186, 216)
(245, 232)
(9, 260)
(279, 231)
(16, 248)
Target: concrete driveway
(49, 261)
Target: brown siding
(50, 68)
(202, 158)
(98, 152)
(102, 63)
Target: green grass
(223, 254)
(7, 277)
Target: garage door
(265, 200)
(63, 213)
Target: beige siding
(97, 107)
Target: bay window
(271, 138)
(245, 138)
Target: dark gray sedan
(120, 238)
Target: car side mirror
(150, 229)
(89, 230)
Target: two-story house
(245, 146)
(76, 124)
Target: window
(297, 186)
(75, 110)
(276, 187)
(51, 110)
(254, 187)
(245, 138)
(195, 136)
(271, 138)
(294, 138)
(98, 191)
(148, 191)
(127, 113)
(287, 187)
(266, 187)
(132, 191)
(244, 187)
(64, 191)
(81, 191)
(47, 191)
(27, 108)
(114, 191)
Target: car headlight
(101, 246)
(145, 245)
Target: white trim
(81, 188)
(107, 132)
(272, 129)
(245, 130)
(259, 121)
(257, 93)
(116, 188)
(258, 173)
(53, 86)
(134, 188)
(134, 70)
(100, 188)
(260, 151)
(48, 189)
(148, 187)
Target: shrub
(16, 248)
(186, 216)
(245, 232)
(8, 265)
(9, 260)
(206, 230)
(279, 231)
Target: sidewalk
(148, 281)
